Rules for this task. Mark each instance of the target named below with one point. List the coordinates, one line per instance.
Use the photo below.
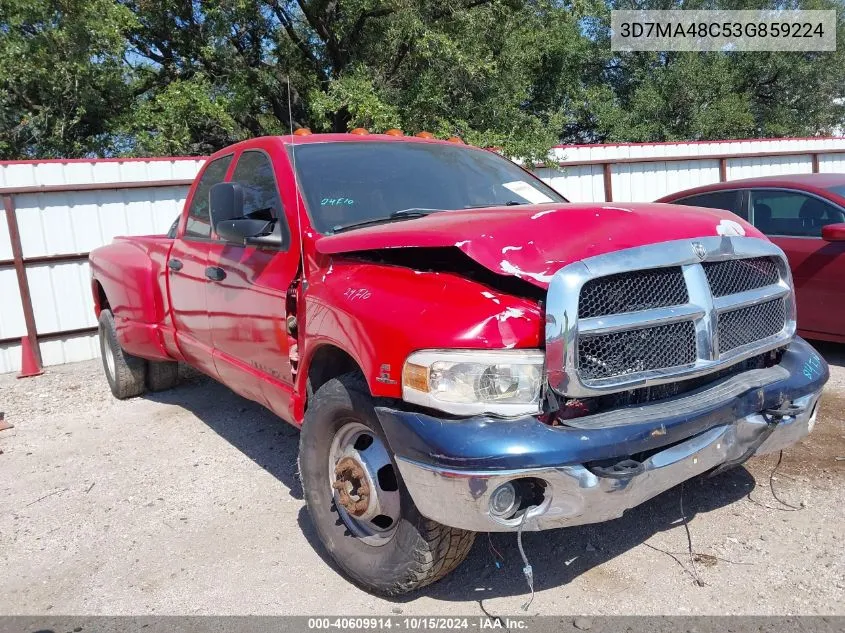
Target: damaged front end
(662, 362)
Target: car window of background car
(351, 182)
(791, 213)
(199, 222)
(728, 200)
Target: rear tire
(384, 558)
(162, 375)
(124, 372)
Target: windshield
(349, 183)
(839, 190)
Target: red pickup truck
(464, 350)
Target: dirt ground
(187, 502)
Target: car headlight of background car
(468, 382)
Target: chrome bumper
(574, 495)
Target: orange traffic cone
(29, 362)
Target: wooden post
(723, 169)
(20, 271)
(608, 182)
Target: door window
(254, 172)
(728, 200)
(791, 213)
(198, 225)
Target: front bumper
(452, 467)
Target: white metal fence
(60, 210)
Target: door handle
(174, 264)
(215, 274)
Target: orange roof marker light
(360, 131)
(456, 139)
(424, 135)
(395, 132)
(303, 131)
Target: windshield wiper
(402, 214)
(509, 203)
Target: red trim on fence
(96, 186)
(52, 336)
(151, 159)
(676, 159)
(729, 140)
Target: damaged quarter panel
(380, 314)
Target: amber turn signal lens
(360, 131)
(424, 135)
(394, 132)
(415, 377)
(303, 131)
(455, 139)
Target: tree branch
(287, 23)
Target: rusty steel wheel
(361, 510)
(364, 484)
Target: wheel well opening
(102, 300)
(329, 362)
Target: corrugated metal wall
(69, 223)
(74, 222)
(633, 181)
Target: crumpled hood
(533, 242)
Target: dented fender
(379, 314)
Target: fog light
(504, 501)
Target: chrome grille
(630, 292)
(695, 307)
(739, 275)
(632, 351)
(749, 324)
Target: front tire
(124, 372)
(358, 503)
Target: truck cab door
(186, 266)
(246, 304)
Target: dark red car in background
(804, 214)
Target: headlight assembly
(468, 382)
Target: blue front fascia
(484, 443)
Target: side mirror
(250, 232)
(834, 232)
(225, 202)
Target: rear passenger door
(187, 280)
(793, 220)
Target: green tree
(62, 76)
(143, 77)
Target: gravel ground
(187, 502)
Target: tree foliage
(145, 77)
